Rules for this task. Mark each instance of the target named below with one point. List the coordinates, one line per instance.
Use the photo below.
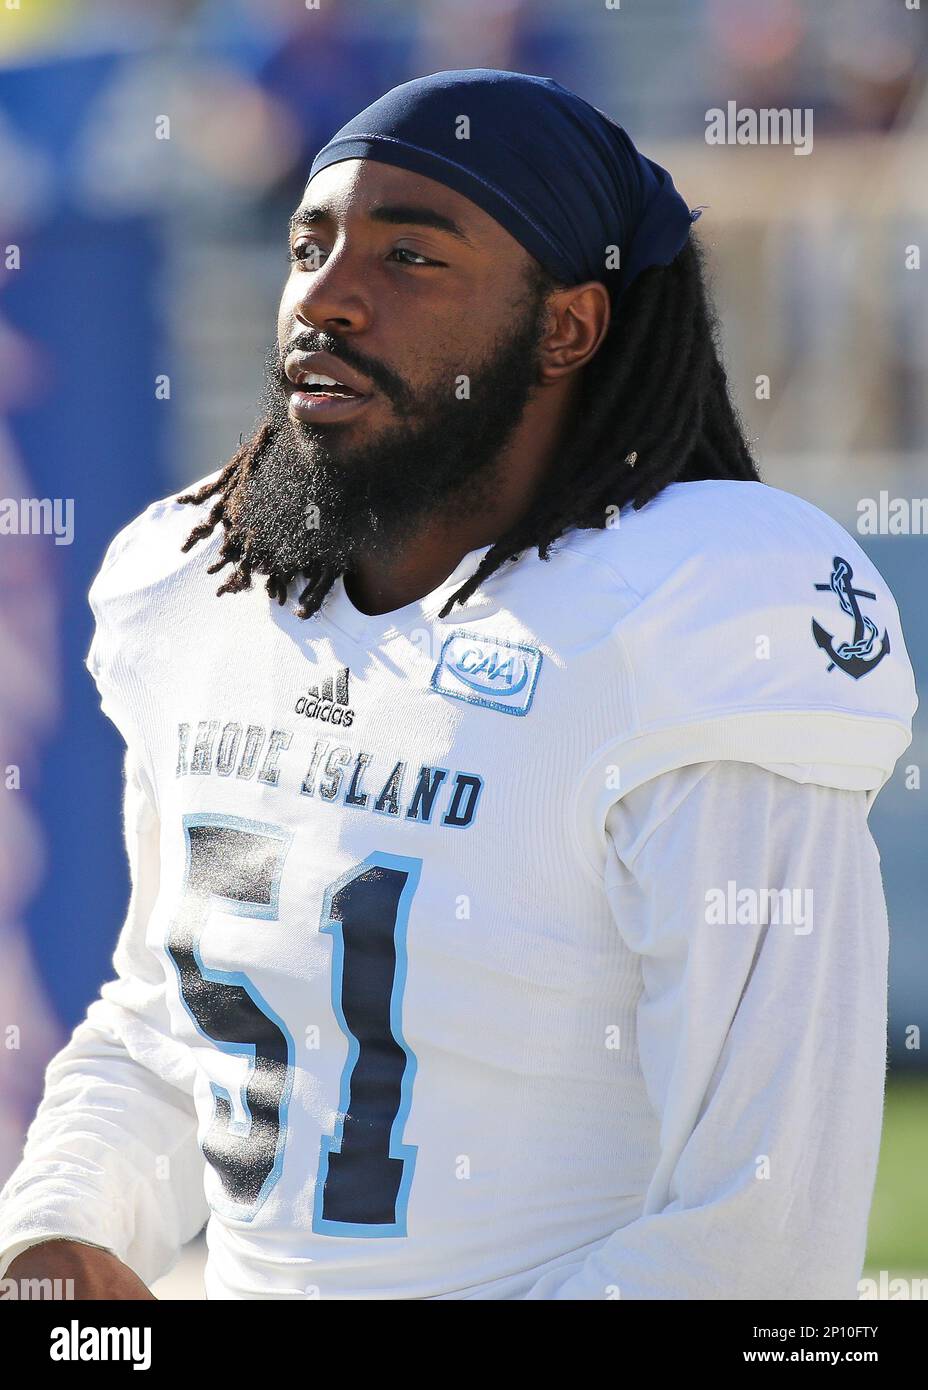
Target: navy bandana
(557, 173)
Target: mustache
(386, 380)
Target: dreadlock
(653, 409)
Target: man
(505, 921)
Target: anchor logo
(854, 657)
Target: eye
(416, 257)
(304, 251)
(309, 253)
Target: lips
(323, 391)
(318, 374)
(309, 381)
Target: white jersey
(419, 995)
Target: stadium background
(144, 259)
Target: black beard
(311, 501)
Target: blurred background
(139, 278)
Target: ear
(578, 321)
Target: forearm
(111, 1159)
(762, 1043)
(73, 1270)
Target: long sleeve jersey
(534, 952)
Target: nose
(332, 296)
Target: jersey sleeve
(760, 634)
(109, 659)
(729, 663)
(134, 597)
(761, 1043)
(112, 1157)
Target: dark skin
(404, 295)
(96, 1274)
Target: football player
(505, 920)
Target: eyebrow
(396, 214)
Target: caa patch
(500, 675)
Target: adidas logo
(328, 700)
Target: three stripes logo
(328, 700)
